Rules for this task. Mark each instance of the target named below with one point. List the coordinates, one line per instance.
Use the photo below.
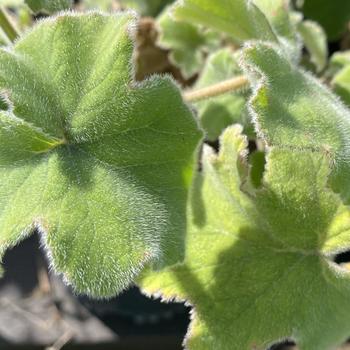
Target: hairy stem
(217, 89)
(6, 25)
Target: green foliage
(338, 65)
(332, 15)
(189, 45)
(339, 60)
(105, 5)
(257, 163)
(268, 20)
(11, 3)
(340, 68)
(99, 164)
(216, 113)
(146, 7)
(49, 6)
(292, 109)
(281, 20)
(240, 19)
(257, 266)
(315, 41)
(3, 39)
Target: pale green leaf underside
(99, 164)
(293, 110)
(256, 267)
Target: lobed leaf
(97, 163)
(258, 267)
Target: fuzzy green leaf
(215, 114)
(292, 109)
(48, 6)
(240, 19)
(258, 267)
(98, 163)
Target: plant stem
(7, 25)
(217, 89)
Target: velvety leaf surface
(99, 164)
(249, 21)
(257, 267)
(49, 6)
(216, 113)
(188, 44)
(292, 109)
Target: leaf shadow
(197, 205)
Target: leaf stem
(217, 89)
(7, 25)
